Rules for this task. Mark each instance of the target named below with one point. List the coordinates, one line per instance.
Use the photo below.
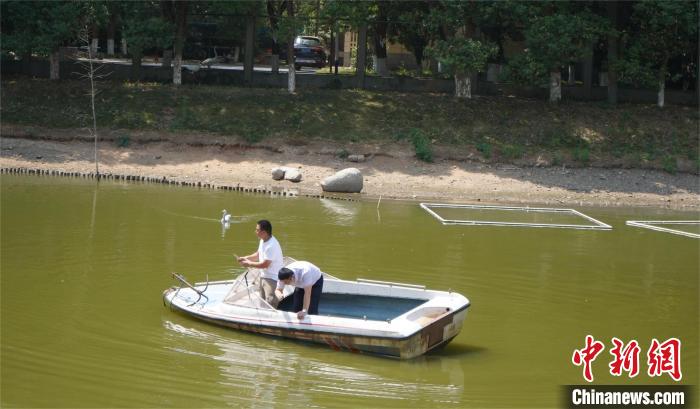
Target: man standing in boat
(268, 258)
(308, 280)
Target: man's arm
(307, 301)
(248, 259)
(256, 264)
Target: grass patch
(640, 134)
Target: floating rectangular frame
(597, 225)
(650, 224)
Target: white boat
(377, 317)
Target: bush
(422, 145)
(512, 151)
(669, 164)
(582, 154)
(485, 149)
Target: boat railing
(390, 283)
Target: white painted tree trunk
(380, 67)
(124, 49)
(572, 73)
(463, 86)
(177, 69)
(292, 84)
(95, 45)
(236, 53)
(55, 65)
(554, 86)
(661, 95)
(110, 46)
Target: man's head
(263, 229)
(285, 275)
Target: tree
(412, 28)
(41, 27)
(560, 38)
(274, 12)
(144, 28)
(460, 55)
(661, 31)
(175, 11)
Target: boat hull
(434, 335)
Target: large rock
(292, 175)
(347, 180)
(283, 172)
(278, 173)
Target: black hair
(285, 273)
(266, 226)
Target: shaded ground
(391, 171)
(518, 131)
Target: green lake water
(83, 324)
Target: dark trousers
(316, 290)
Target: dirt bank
(390, 171)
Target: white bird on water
(225, 217)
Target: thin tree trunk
(463, 85)
(124, 48)
(91, 75)
(291, 71)
(181, 28)
(660, 99)
(380, 39)
(361, 55)
(135, 65)
(555, 86)
(111, 30)
(249, 45)
(611, 7)
(272, 17)
(55, 65)
(95, 43)
(275, 62)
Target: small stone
(356, 158)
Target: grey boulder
(348, 180)
(292, 175)
(278, 173)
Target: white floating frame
(651, 225)
(597, 224)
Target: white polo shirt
(305, 274)
(271, 250)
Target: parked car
(308, 52)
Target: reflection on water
(342, 213)
(264, 374)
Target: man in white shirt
(268, 258)
(308, 280)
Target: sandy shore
(390, 171)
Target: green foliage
(462, 55)
(421, 143)
(582, 153)
(40, 27)
(342, 153)
(661, 30)
(485, 148)
(144, 27)
(561, 38)
(512, 151)
(123, 141)
(524, 69)
(669, 164)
